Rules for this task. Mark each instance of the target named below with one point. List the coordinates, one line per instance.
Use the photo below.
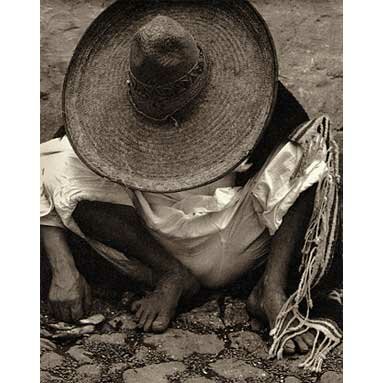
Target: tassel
(317, 253)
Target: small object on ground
(61, 326)
(93, 320)
(76, 332)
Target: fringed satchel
(295, 317)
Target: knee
(89, 212)
(109, 223)
(84, 213)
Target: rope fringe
(317, 253)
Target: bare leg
(269, 295)
(120, 227)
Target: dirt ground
(211, 342)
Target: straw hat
(168, 95)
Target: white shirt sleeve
(289, 172)
(65, 181)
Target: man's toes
(143, 318)
(149, 321)
(161, 323)
(302, 346)
(289, 347)
(309, 338)
(135, 306)
(139, 313)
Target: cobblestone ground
(211, 341)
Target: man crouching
(160, 119)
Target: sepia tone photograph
(191, 191)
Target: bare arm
(58, 252)
(69, 293)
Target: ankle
(272, 286)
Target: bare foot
(155, 311)
(264, 305)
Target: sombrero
(168, 95)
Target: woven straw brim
(214, 135)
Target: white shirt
(218, 237)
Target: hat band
(160, 102)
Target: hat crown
(168, 69)
(162, 51)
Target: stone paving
(208, 343)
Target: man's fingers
(54, 310)
(69, 303)
(65, 312)
(87, 298)
(58, 311)
(76, 310)
(51, 308)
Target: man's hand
(69, 296)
